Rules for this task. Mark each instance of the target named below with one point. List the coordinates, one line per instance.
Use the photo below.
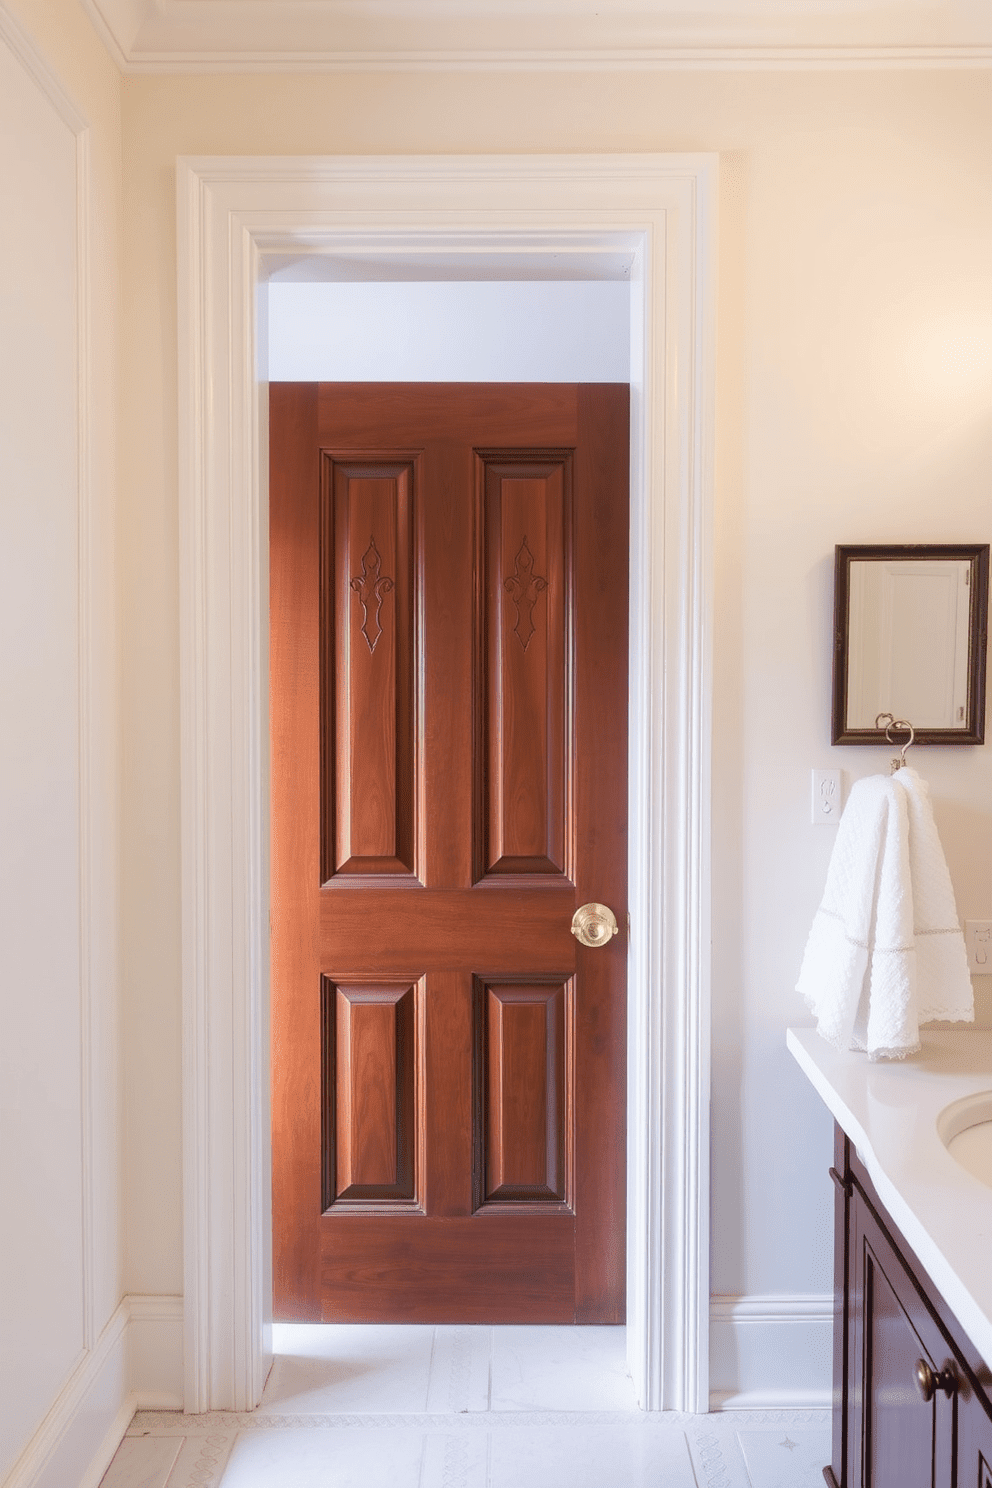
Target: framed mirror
(910, 639)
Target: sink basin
(965, 1129)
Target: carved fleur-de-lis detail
(370, 589)
(523, 587)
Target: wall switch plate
(827, 801)
(978, 940)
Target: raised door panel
(369, 702)
(523, 775)
(905, 1441)
(899, 1426)
(524, 1105)
(974, 1468)
(372, 1093)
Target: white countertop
(889, 1110)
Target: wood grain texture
(519, 725)
(372, 1068)
(447, 1125)
(370, 702)
(454, 930)
(525, 662)
(523, 1100)
(600, 797)
(444, 1273)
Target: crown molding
(122, 56)
(34, 62)
(249, 36)
(657, 59)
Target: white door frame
(235, 214)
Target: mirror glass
(910, 641)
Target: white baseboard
(78, 1431)
(155, 1352)
(771, 1352)
(137, 1363)
(112, 1438)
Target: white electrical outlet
(827, 803)
(978, 939)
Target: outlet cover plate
(826, 800)
(978, 940)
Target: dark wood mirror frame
(977, 554)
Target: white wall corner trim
(771, 1352)
(91, 1408)
(232, 213)
(90, 803)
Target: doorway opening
(240, 220)
(470, 728)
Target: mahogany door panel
(372, 1042)
(523, 804)
(449, 631)
(457, 1264)
(368, 693)
(447, 927)
(524, 1089)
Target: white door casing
(235, 215)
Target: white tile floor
(464, 1407)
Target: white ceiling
(178, 35)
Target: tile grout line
(175, 1423)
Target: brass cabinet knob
(929, 1383)
(594, 924)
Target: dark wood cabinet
(912, 1400)
(974, 1446)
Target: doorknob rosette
(594, 924)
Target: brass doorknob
(594, 924)
(929, 1383)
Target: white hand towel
(885, 952)
(859, 968)
(943, 981)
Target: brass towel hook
(896, 723)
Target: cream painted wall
(855, 404)
(60, 1092)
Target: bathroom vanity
(912, 1396)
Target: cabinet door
(898, 1439)
(974, 1442)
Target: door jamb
(233, 213)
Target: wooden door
(449, 741)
